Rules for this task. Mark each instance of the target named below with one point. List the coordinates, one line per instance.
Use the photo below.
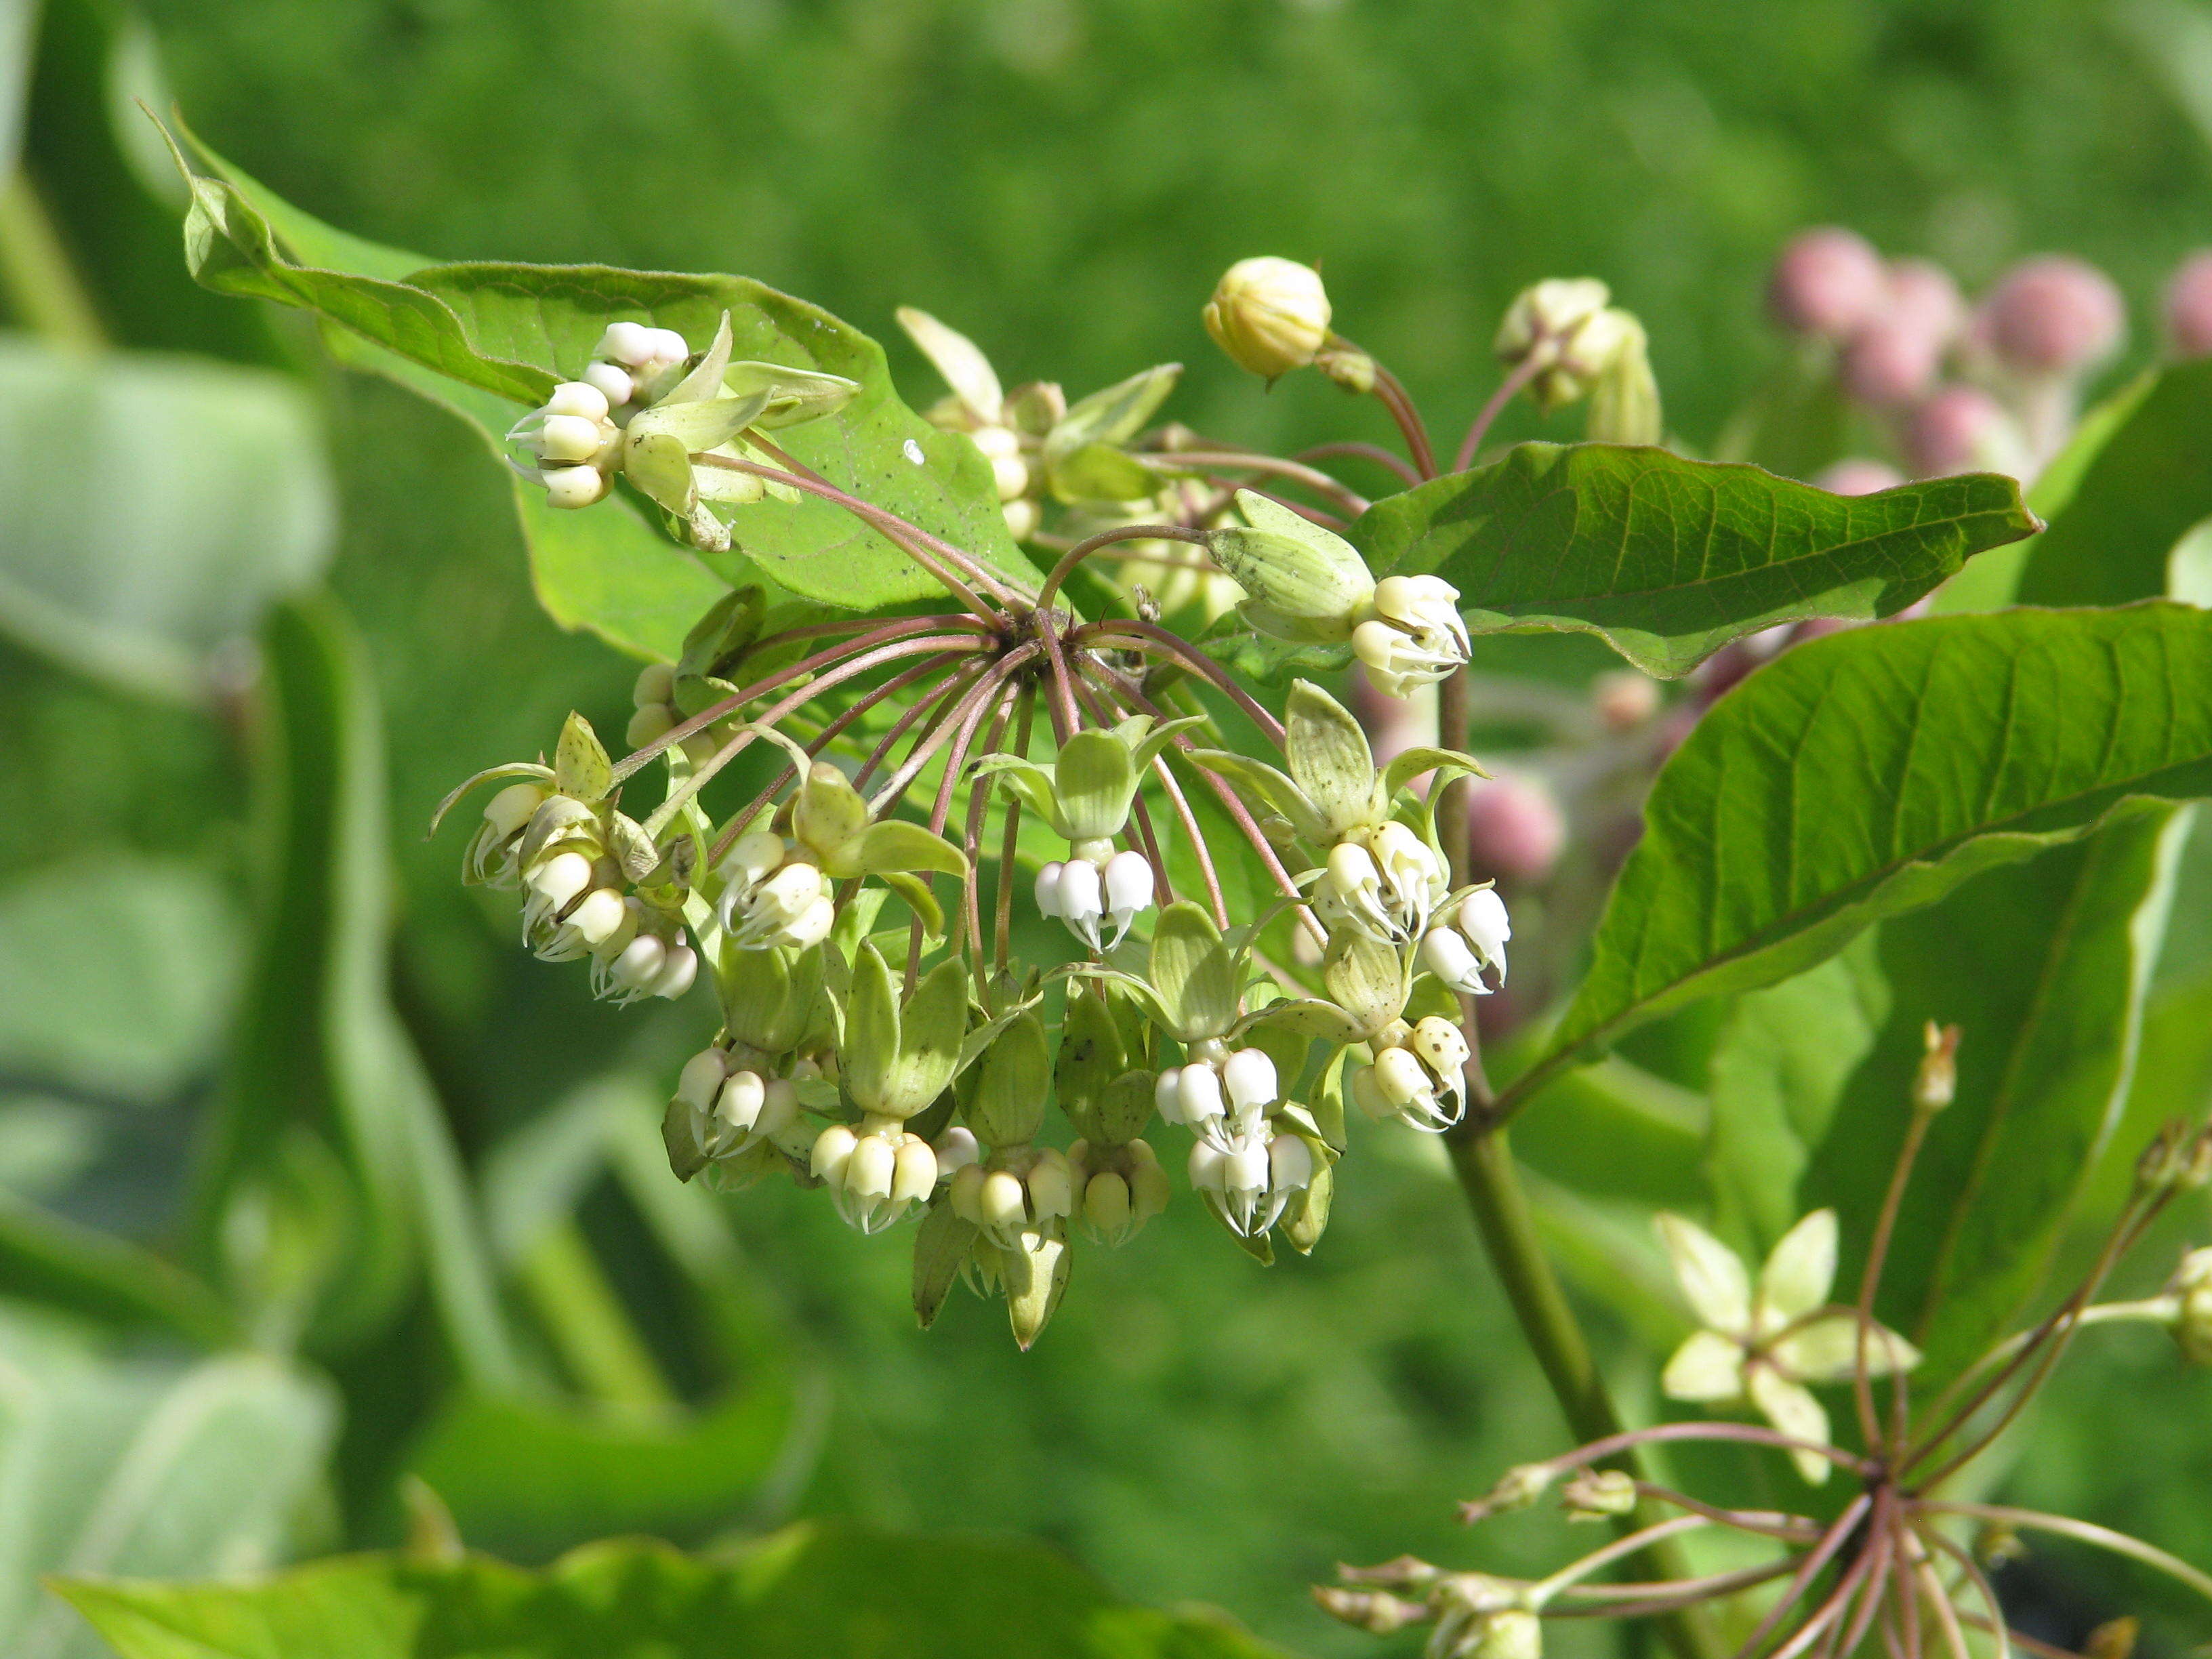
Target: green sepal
(1035, 1276)
(830, 816)
(1114, 416)
(1331, 761)
(919, 899)
(509, 770)
(633, 849)
(1006, 1107)
(769, 996)
(1366, 978)
(684, 1157)
(1306, 1216)
(659, 464)
(1192, 974)
(724, 635)
(789, 396)
(1302, 582)
(1403, 768)
(695, 426)
(1094, 780)
(941, 1245)
(855, 921)
(1259, 1247)
(930, 1028)
(896, 845)
(1100, 472)
(1028, 783)
(870, 1047)
(580, 766)
(704, 382)
(1307, 1017)
(1327, 1104)
(1260, 659)
(1091, 1057)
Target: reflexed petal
(1800, 1272)
(1708, 1367)
(1826, 1350)
(1711, 1275)
(1792, 1409)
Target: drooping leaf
(532, 324)
(2042, 965)
(1667, 560)
(155, 506)
(1871, 772)
(819, 1591)
(140, 1466)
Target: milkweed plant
(1063, 815)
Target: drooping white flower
(1415, 635)
(1248, 1179)
(877, 1174)
(1460, 952)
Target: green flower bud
(1270, 315)
(897, 1061)
(1302, 583)
(1599, 1494)
(2192, 1327)
(1625, 395)
(1007, 1107)
(828, 812)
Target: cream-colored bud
(740, 1103)
(1050, 1185)
(1106, 1203)
(655, 682)
(611, 381)
(1270, 315)
(510, 810)
(833, 1150)
(569, 438)
(702, 1077)
(1149, 1188)
(598, 917)
(1002, 1201)
(914, 1174)
(869, 1171)
(648, 725)
(571, 486)
(1442, 1045)
(560, 878)
(752, 857)
(966, 1193)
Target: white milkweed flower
(773, 894)
(1248, 1178)
(1766, 1343)
(875, 1174)
(494, 853)
(1219, 1101)
(642, 959)
(1417, 1077)
(1460, 952)
(1414, 634)
(1079, 892)
(1027, 1190)
(575, 441)
(729, 1109)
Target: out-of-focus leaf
(817, 1591)
(1667, 560)
(320, 1061)
(140, 1467)
(44, 1258)
(521, 327)
(2133, 483)
(2042, 965)
(18, 21)
(1797, 421)
(155, 507)
(1871, 772)
(1613, 1130)
(116, 974)
(1777, 1073)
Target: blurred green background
(1063, 180)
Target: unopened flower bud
(678, 968)
(956, 1149)
(1623, 699)
(1937, 1080)
(1961, 428)
(1270, 315)
(510, 810)
(1551, 310)
(1021, 519)
(2054, 314)
(2188, 307)
(611, 381)
(1375, 1610)
(1890, 362)
(1826, 283)
(1858, 475)
(1598, 1494)
(648, 725)
(1514, 827)
(560, 878)
(1516, 1489)
(571, 486)
(701, 1078)
(2192, 1286)
(656, 682)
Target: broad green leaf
(825, 1590)
(99, 1276)
(1778, 1072)
(2129, 497)
(116, 974)
(1871, 772)
(2042, 965)
(140, 1466)
(155, 504)
(1614, 1131)
(1667, 560)
(319, 1060)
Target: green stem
(1484, 1162)
(41, 282)
(598, 1346)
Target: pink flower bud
(1858, 475)
(2054, 315)
(1826, 283)
(1514, 829)
(2188, 307)
(1924, 295)
(1957, 430)
(1891, 360)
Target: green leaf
(1778, 1072)
(321, 1066)
(1114, 416)
(2136, 481)
(155, 504)
(1871, 772)
(47, 1258)
(1667, 560)
(141, 1465)
(2043, 967)
(822, 1590)
(1614, 1131)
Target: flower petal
(1711, 1275)
(1800, 1271)
(1792, 1409)
(1826, 1350)
(1708, 1367)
